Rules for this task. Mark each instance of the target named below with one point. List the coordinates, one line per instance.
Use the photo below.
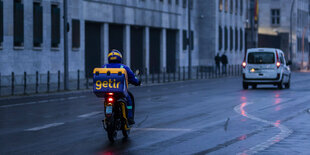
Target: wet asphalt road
(194, 117)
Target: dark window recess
(231, 6)
(220, 38)
(75, 33)
(192, 40)
(55, 26)
(226, 38)
(18, 23)
(236, 39)
(236, 10)
(185, 40)
(231, 38)
(177, 2)
(226, 5)
(1, 22)
(184, 3)
(37, 25)
(169, 1)
(241, 40)
(241, 7)
(191, 4)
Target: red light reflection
(243, 113)
(277, 123)
(243, 137)
(278, 108)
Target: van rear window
(261, 58)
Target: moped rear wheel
(112, 133)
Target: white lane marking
(285, 132)
(41, 101)
(45, 126)
(163, 129)
(90, 114)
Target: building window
(241, 7)
(236, 39)
(18, 23)
(226, 5)
(184, 39)
(220, 38)
(37, 24)
(55, 26)
(176, 2)
(75, 33)
(275, 16)
(220, 5)
(169, 1)
(231, 38)
(184, 3)
(236, 9)
(1, 23)
(226, 38)
(241, 40)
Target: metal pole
(12, 89)
(0, 84)
(58, 81)
(189, 40)
(48, 81)
(37, 81)
(66, 68)
(291, 33)
(25, 83)
(78, 79)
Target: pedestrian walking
(224, 63)
(217, 63)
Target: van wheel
(288, 84)
(245, 85)
(280, 85)
(254, 86)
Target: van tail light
(243, 64)
(278, 61)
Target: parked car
(266, 66)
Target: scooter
(112, 84)
(115, 115)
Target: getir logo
(107, 84)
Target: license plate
(108, 110)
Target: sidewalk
(20, 91)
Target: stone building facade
(275, 24)
(149, 33)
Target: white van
(265, 66)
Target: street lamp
(189, 40)
(66, 66)
(291, 34)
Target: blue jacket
(131, 76)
